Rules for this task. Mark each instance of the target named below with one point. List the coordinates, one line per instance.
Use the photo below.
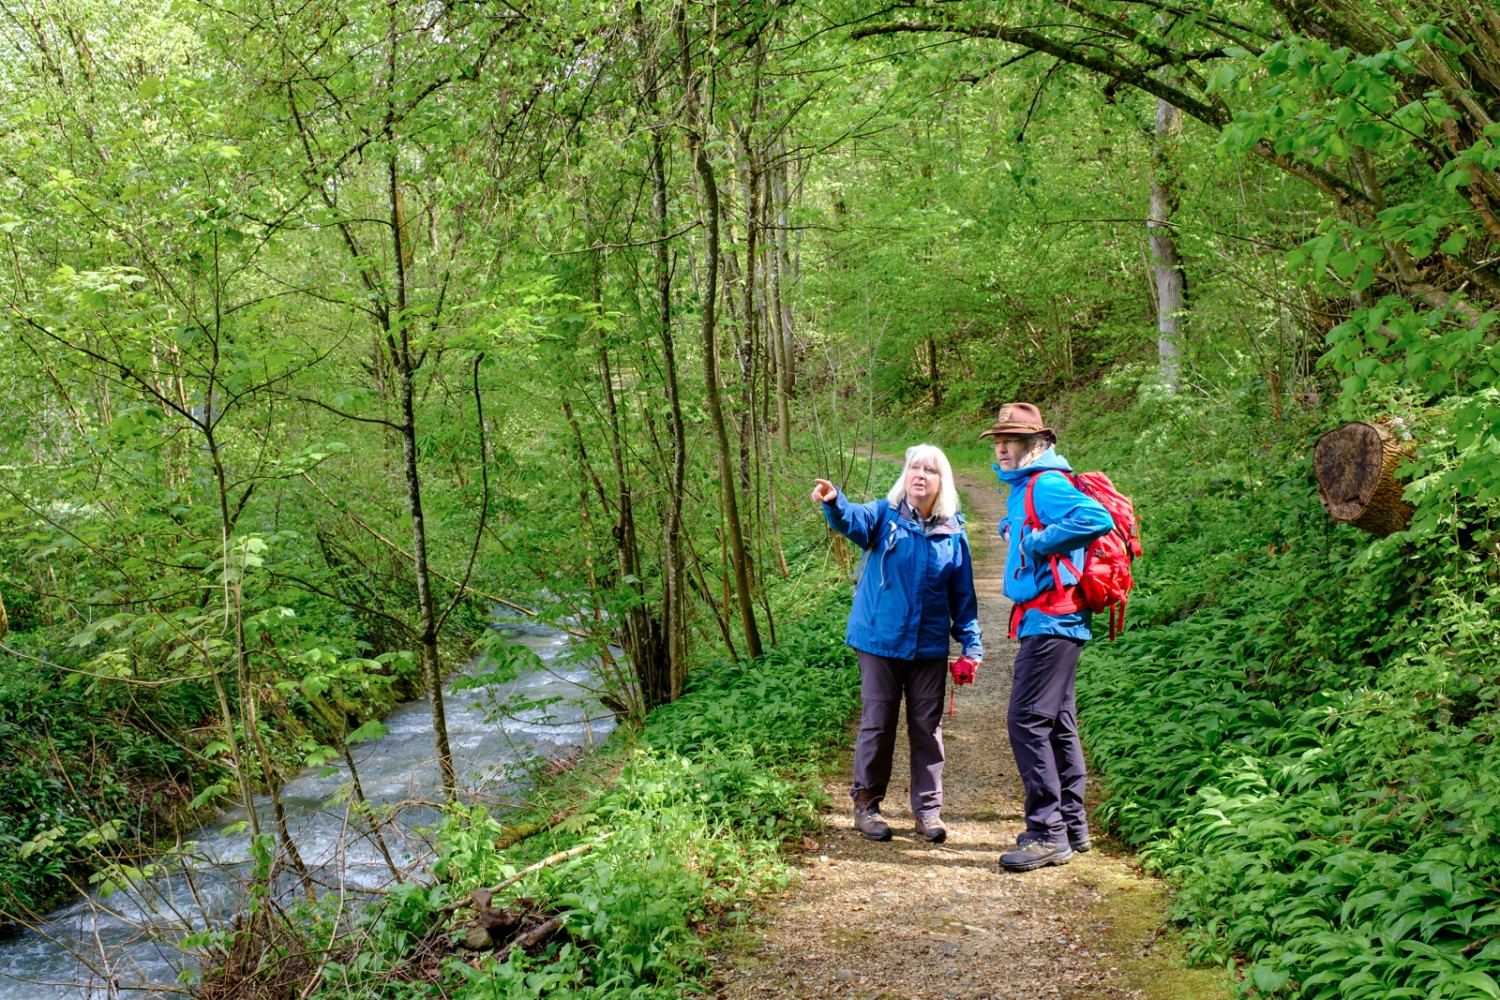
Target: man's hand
(963, 670)
(824, 491)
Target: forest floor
(908, 919)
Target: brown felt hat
(1019, 419)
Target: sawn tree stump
(1356, 469)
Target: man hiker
(1048, 525)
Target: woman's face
(1010, 452)
(923, 483)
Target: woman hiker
(1053, 624)
(915, 591)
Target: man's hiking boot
(867, 819)
(931, 829)
(1036, 854)
(1080, 843)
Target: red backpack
(1105, 580)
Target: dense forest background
(328, 327)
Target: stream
(127, 945)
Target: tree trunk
(780, 313)
(665, 682)
(1356, 469)
(674, 561)
(1171, 281)
(934, 385)
(709, 193)
(398, 342)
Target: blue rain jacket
(916, 589)
(1072, 518)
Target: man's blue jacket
(1071, 518)
(917, 587)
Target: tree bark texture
(709, 192)
(1356, 470)
(1171, 281)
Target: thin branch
(351, 416)
(137, 682)
(484, 502)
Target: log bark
(1356, 469)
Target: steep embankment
(913, 920)
(1302, 723)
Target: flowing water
(127, 945)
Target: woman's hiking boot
(931, 829)
(867, 819)
(1036, 854)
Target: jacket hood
(1048, 459)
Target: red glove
(963, 670)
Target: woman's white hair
(929, 456)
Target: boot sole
(879, 838)
(1032, 866)
(935, 838)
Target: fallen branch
(546, 862)
(533, 937)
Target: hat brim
(1017, 430)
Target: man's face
(1010, 452)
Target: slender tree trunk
(674, 561)
(935, 383)
(781, 309)
(674, 600)
(249, 716)
(709, 193)
(398, 342)
(1171, 280)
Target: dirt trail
(906, 919)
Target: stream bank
(130, 939)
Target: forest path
(907, 919)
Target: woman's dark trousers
(882, 683)
(1043, 724)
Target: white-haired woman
(915, 592)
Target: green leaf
(372, 730)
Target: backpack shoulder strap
(887, 516)
(1031, 516)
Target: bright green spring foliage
(689, 832)
(1299, 725)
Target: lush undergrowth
(1299, 727)
(687, 819)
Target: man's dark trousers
(1043, 725)
(882, 683)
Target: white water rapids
(127, 945)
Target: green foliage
(1299, 726)
(687, 830)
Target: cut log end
(1356, 470)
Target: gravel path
(906, 919)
